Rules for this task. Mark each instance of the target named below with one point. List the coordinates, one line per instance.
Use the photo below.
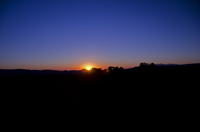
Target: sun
(88, 68)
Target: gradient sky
(70, 34)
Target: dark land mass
(146, 89)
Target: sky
(72, 34)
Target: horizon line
(158, 64)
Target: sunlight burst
(88, 68)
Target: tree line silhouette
(112, 69)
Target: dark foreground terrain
(146, 89)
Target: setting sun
(88, 68)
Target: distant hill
(168, 66)
(171, 65)
(8, 72)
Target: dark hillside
(140, 89)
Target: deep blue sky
(69, 34)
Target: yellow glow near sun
(88, 68)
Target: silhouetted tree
(96, 70)
(110, 68)
(144, 65)
(147, 67)
(121, 68)
(116, 68)
(152, 65)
